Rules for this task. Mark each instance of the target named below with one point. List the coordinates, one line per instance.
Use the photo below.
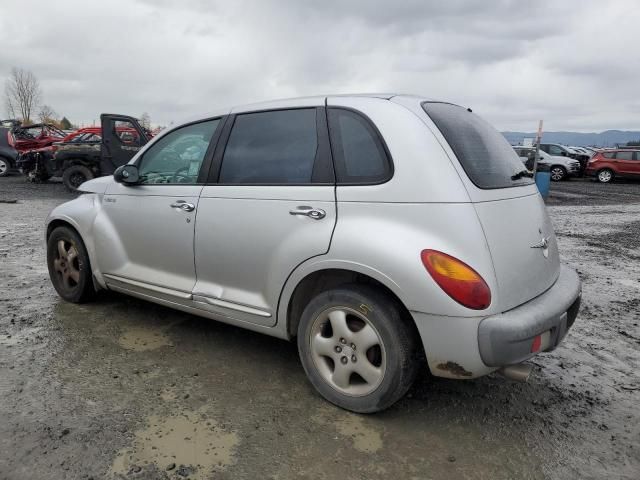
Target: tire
(357, 349)
(605, 175)
(76, 175)
(69, 266)
(5, 167)
(558, 173)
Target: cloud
(514, 62)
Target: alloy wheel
(347, 351)
(557, 174)
(4, 166)
(604, 176)
(66, 264)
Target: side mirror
(564, 154)
(127, 174)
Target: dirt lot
(121, 388)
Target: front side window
(485, 155)
(276, 147)
(357, 149)
(177, 156)
(555, 150)
(609, 154)
(126, 133)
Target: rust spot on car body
(454, 368)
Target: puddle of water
(366, 438)
(141, 339)
(190, 439)
(628, 282)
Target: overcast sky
(573, 62)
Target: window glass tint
(271, 148)
(609, 154)
(357, 150)
(177, 156)
(624, 155)
(555, 150)
(485, 155)
(126, 133)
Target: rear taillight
(10, 139)
(457, 279)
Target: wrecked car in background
(8, 154)
(86, 153)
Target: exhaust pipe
(520, 372)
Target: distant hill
(608, 138)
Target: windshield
(487, 158)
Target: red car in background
(34, 137)
(609, 164)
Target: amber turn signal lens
(457, 279)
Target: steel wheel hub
(347, 351)
(66, 264)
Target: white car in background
(560, 167)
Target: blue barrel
(543, 180)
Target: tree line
(23, 100)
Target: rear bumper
(507, 338)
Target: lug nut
(353, 358)
(344, 360)
(338, 349)
(343, 341)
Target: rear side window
(624, 155)
(485, 155)
(276, 147)
(358, 151)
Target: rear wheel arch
(325, 279)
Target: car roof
(293, 102)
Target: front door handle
(184, 206)
(315, 213)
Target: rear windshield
(486, 156)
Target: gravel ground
(121, 388)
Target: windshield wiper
(522, 173)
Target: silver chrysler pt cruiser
(377, 230)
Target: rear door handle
(184, 206)
(307, 211)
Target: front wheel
(76, 175)
(5, 167)
(357, 349)
(558, 173)
(69, 267)
(605, 175)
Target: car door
(624, 162)
(144, 233)
(270, 206)
(122, 138)
(635, 166)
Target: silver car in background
(560, 168)
(377, 230)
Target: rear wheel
(558, 173)
(76, 175)
(605, 175)
(5, 167)
(69, 267)
(357, 349)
